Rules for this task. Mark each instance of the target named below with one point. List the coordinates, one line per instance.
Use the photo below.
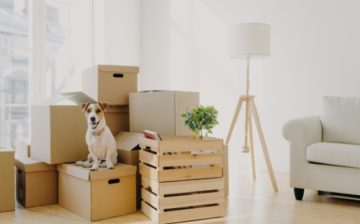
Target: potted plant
(201, 118)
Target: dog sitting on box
(101, 142)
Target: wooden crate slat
(192, 214)
(181, 144)
(148, 157)
(190, 159)
(149, 198)
(150, 212)
(188, 173)
(189, 200)
(191, 186)
(146, 171)
(154, 185)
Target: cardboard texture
(117, 119)
(36, 183)
(160, 111)
(7, 180)
(110, 83)
(58, 133)
(96, 195)
(127, 144)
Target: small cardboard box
(128, 147)
(160, 111)
(96, 195)
(36, 183)
(7, 180)
(110, 83)
(58, 133)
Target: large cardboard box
(58, 133)
(96, 195)
(110, 83)
(36, 183)
(7, 180)
(160, 111)
(128, 147)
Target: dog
(101, 142)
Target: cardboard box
(128, 146)
(58, 133)
(117, 119)
(36, 183)
(160, 111)
(96, 195)
(7, 180)
(110, 83)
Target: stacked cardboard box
(7, 188)
(58, 137)
(29, 174)
(97, 195)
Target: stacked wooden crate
(182, 179)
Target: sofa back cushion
(340, 119)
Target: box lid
(162, 91)
(119, 170)
(78, 97)
(118, 68)
(128, 141)
(55, 100)
(30, 165)
(5, 149)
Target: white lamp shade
(249, 40)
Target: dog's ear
(104, 106)
(84, 106)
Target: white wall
(117, 32)
(315, 52)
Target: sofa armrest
(303, 131)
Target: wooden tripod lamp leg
(255, 114)
(247, 121)
(252, 147)
(236, 115)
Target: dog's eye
(88, 110)
(98, 111)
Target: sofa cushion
(340, 119)
(334, 154)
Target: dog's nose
(92, 119)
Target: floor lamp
(247, 41)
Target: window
(41, 54)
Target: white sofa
(325, 150)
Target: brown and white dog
(101, 142)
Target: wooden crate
(181, 158)
(181, 201)
(182, 179)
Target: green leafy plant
(201, 118)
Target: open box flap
(128, 140)
(77, 97)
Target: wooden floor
(249, 202)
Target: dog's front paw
(87, 164)
(79, 163)
(109, 166)
(94, 168)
